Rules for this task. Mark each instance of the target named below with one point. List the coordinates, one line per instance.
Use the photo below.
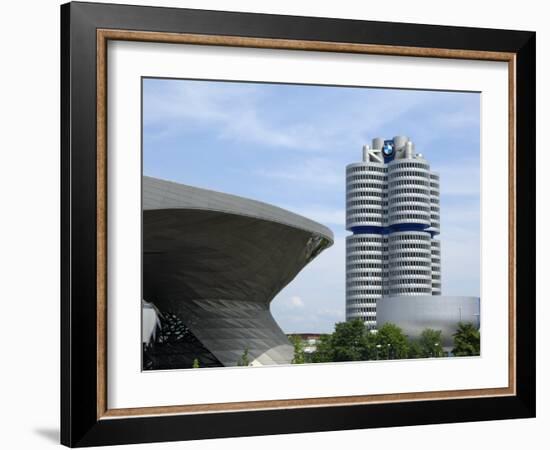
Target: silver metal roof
(162, 194)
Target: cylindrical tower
(434, 230)
(409, 247)
(365, 273)
(434, 203)
(366, 195)
(410, 263)
(366, 206)
(409, 194)
(392, 209)
(436, 267)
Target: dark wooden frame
(85, 418)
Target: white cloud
(238, 112)
(296, 302)
(232, 110)
(457, 119)
(315, 172)
(321, 287)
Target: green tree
(299, 355)
(430, 343)
(196, 363)
(370, 346)
(244, 359)
(349, 341)
(466, 340)
(391, 343)
(324, 352)
(415, 350)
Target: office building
(392, 211)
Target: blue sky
(288, 145)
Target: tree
(349, 341)
(415, 350)
(370, 346)
(352, 341)
(430, 344)
(324, 352)
(391, 343)
(299, 355)
(244, 359)
(466, 340)
(196, 363)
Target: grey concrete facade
(413, 314)
(217, 260)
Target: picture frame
(86, 418)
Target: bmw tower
(392, 211)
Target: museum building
(212, 264)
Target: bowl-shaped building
(413, 314)
(214, 262)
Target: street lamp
(377, 349)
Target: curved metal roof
(162, 194)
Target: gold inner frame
(104, 35)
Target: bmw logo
(388, 148)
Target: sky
(288, 145)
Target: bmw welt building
(393, 256)
(212, 263)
